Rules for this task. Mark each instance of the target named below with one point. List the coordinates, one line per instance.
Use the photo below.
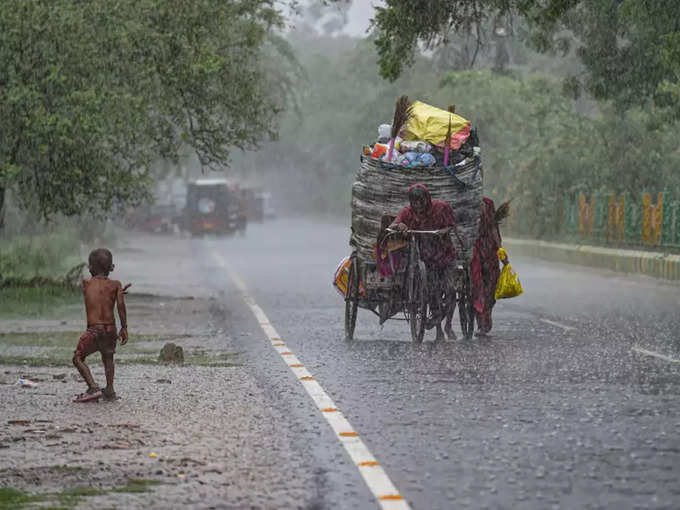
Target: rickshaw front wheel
(352, 299)
(417, 301)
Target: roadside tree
(93, 92)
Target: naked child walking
(101, 294)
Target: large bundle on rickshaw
(380, 188)
(433, 147)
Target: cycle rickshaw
(379, 192)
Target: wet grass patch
(228, 355)
(222, 359)
(72, 497)
(139, 350)
(69, 339)
(64, 467)
(198, 361)
(94, 360)
(219, 364)
(12, 499)
(35, 361)
(136, 485)
(44, 302)
(55, 348)
(41, 339)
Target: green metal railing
(648, 220)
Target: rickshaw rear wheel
(466, 310)
(352, 299)
(418, 302)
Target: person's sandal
(90, 394)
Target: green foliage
(669, 56)
(402, 24)
(630, 49)
(91, 93)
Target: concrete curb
(655, 264)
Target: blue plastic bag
(414, 159)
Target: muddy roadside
(199, 435)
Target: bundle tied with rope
(381, 189)
(381, 186)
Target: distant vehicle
(213, 207)
(165, 212)
(257, 204)
(151, 218)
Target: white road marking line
(553, 323)
(373, 474)
(654, 354)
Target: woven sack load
(382, 189)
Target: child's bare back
(101, 294)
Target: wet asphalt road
(555, 410)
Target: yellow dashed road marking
(374, 475)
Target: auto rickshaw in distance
(212, 207)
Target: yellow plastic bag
(508, 285)
(431, 124)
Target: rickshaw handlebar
(425, 232)
(394, 231)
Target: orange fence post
(586, 215)
(652, 219)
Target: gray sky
(359, 16)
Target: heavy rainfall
(340, 254)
